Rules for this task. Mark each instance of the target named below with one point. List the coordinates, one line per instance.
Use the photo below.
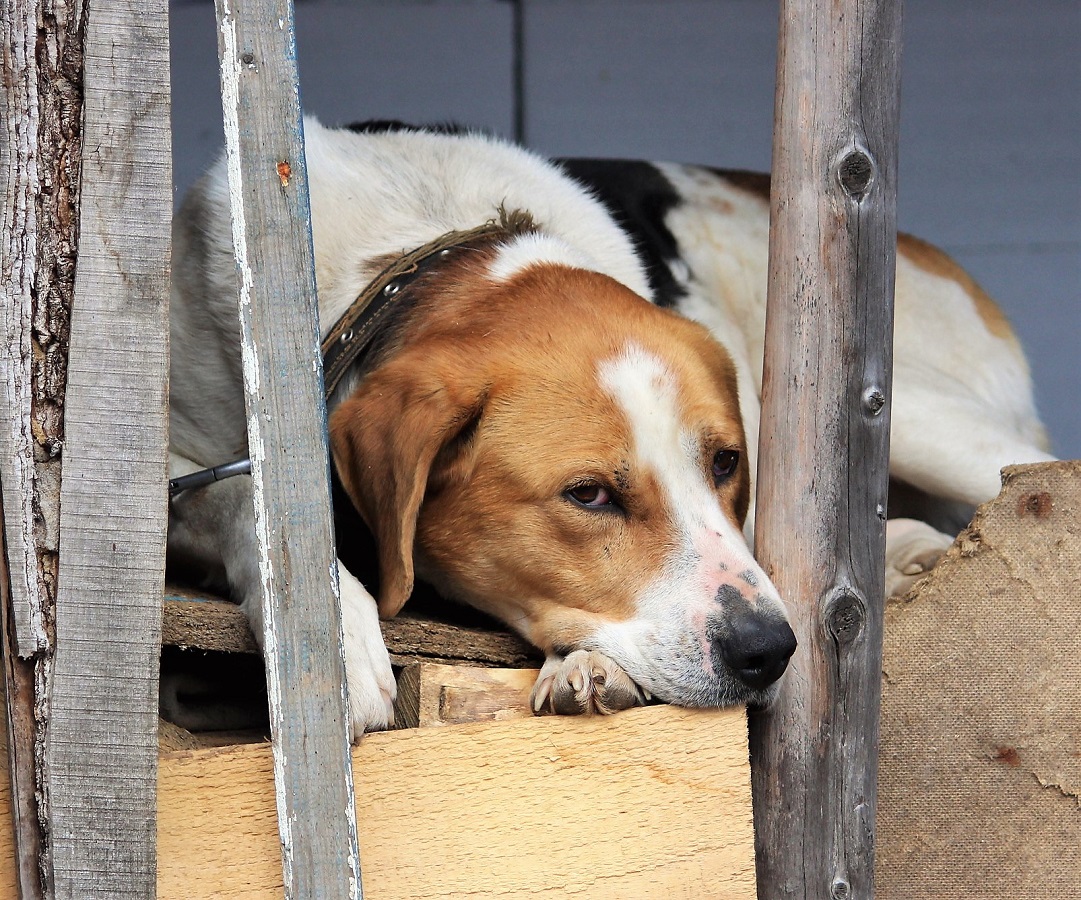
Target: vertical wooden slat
(21, 737)
(21, 613)
(40, 157)
(19, 186)
(820, 531)
(288, 448)
(101, 744)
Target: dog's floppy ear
(385, 439)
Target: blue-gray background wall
(990, 155)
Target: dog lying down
(528, 434)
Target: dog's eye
(724, 464)
(590, 495)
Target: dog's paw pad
(583, 683)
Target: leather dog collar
(354, 333)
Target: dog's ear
(385, 439)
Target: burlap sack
(980, 755)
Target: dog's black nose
(756, 649)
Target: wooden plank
(205, 623)
(101, 743)
(20, 185)
(653, 803)
(412, 640)
(40, 157)
(820, 531)
(433, 694)
(288, 447)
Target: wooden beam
(650, 803)
(820, 531)
(101, 741)
(195, 620)
(288, 447)
(433, 694)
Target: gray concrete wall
(991, 116)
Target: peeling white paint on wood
(288, 449)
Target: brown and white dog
(534, 438)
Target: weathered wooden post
(101, 749)
(89, 619)
(288, 447)
(40, 125)
(824, 440)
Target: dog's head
(553, 449)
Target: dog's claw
(583, 683)
(541, 691)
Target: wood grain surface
(652, 803)
(101, 742)
(820, 530)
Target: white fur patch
(528, 250)
(647, 392)
(367, 663)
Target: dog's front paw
(367, 663)
(584, 682)
(912, 549)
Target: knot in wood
(855, 172)
(874, 400)
(845, 615)
(840, 889)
